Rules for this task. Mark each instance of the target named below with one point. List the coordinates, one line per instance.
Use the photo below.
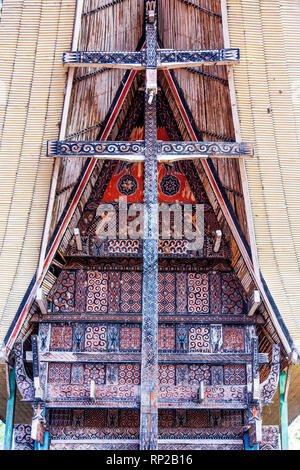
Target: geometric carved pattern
(166, 292)
(234, 375)
(97, 291)
(130, 338)
(166, 338)
(233, 339)
(199, 339)
(198, 299)
(131, 297)
(199, 374)
(166, 374)
(129, 374)
(61, 338)
(96, 338)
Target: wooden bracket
(254, 303)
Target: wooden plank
(10, 410)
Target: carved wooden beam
(171, 59)
(128, 151)
(163, 358)
(122, 60)
(135, 151)
(166, 58)
(191, 150)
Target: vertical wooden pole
(149, 363)
(247, 443)
(10, 410)
(284, 423)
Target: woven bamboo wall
(268, 94)
(33, 36)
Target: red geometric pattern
(77, 375)
(59, 373)
(181, 292)
(233, 339)
(199, 339)
(231, 295)
(166, 338)
(114, 286)
(63, 298)
(198, 374)
(166, 419)
(234, 375)
(130, 338)
(81, 281)
(129, 374)
(198, 300)
(198, 418)
(95, 338)
(166, 292)
(61, 338)
(95, 418)
(215, 294)
(166, 374)
(131, 295)
(94, 372)
(129, 418)
(97, 291)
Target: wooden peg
(253, 303)
(41, 301)
(78, 239)
(218, 239)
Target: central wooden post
(149, 363)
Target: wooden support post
(10, 409)
(284, 423)
(149, 363)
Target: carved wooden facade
(145, 342)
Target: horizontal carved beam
(125, 396)
(190, 150)
(163, 358)
(128, 151)
(121, 60)
(166, 59)
(134, 151)
(171, 59)
(163, 318)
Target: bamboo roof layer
(267, 87)
(33, 37)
